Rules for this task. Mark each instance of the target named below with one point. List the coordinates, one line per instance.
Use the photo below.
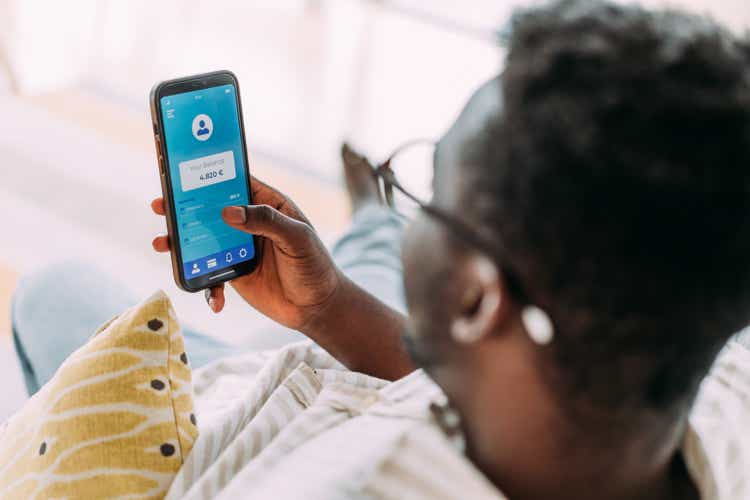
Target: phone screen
(206, 161)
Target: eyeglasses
(415, 162)
(408, 193)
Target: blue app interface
(207, 166)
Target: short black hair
(617, 176)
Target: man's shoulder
(717, 447)
(352, 435)
(422, 462)
(726, 388)
(426, 464)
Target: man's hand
(297, 284)
(295, 278)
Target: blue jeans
(56, 310)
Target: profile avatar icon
(203, 127)
(202, 130)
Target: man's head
(611, 163)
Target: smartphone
(203, 166)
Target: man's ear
(483, 304)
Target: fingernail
(235, 215)
(207, 295)
(212, 304)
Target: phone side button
(157, 143)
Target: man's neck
(579, 469)
(521, 440)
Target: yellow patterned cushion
(116, 420)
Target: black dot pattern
(155, 325)
(157, 384)
(43, 448)
(167, 449)
(183, 358)
(192, 419)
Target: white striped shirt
(296, 424)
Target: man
(579, 269)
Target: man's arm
(298, 285)
(362, 333)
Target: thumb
(263, 220)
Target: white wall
(48, 43)
(312, 72)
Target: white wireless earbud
(538, 325)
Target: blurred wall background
(312, 71)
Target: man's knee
(56, 309)
(49, 285)
(64, 299)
